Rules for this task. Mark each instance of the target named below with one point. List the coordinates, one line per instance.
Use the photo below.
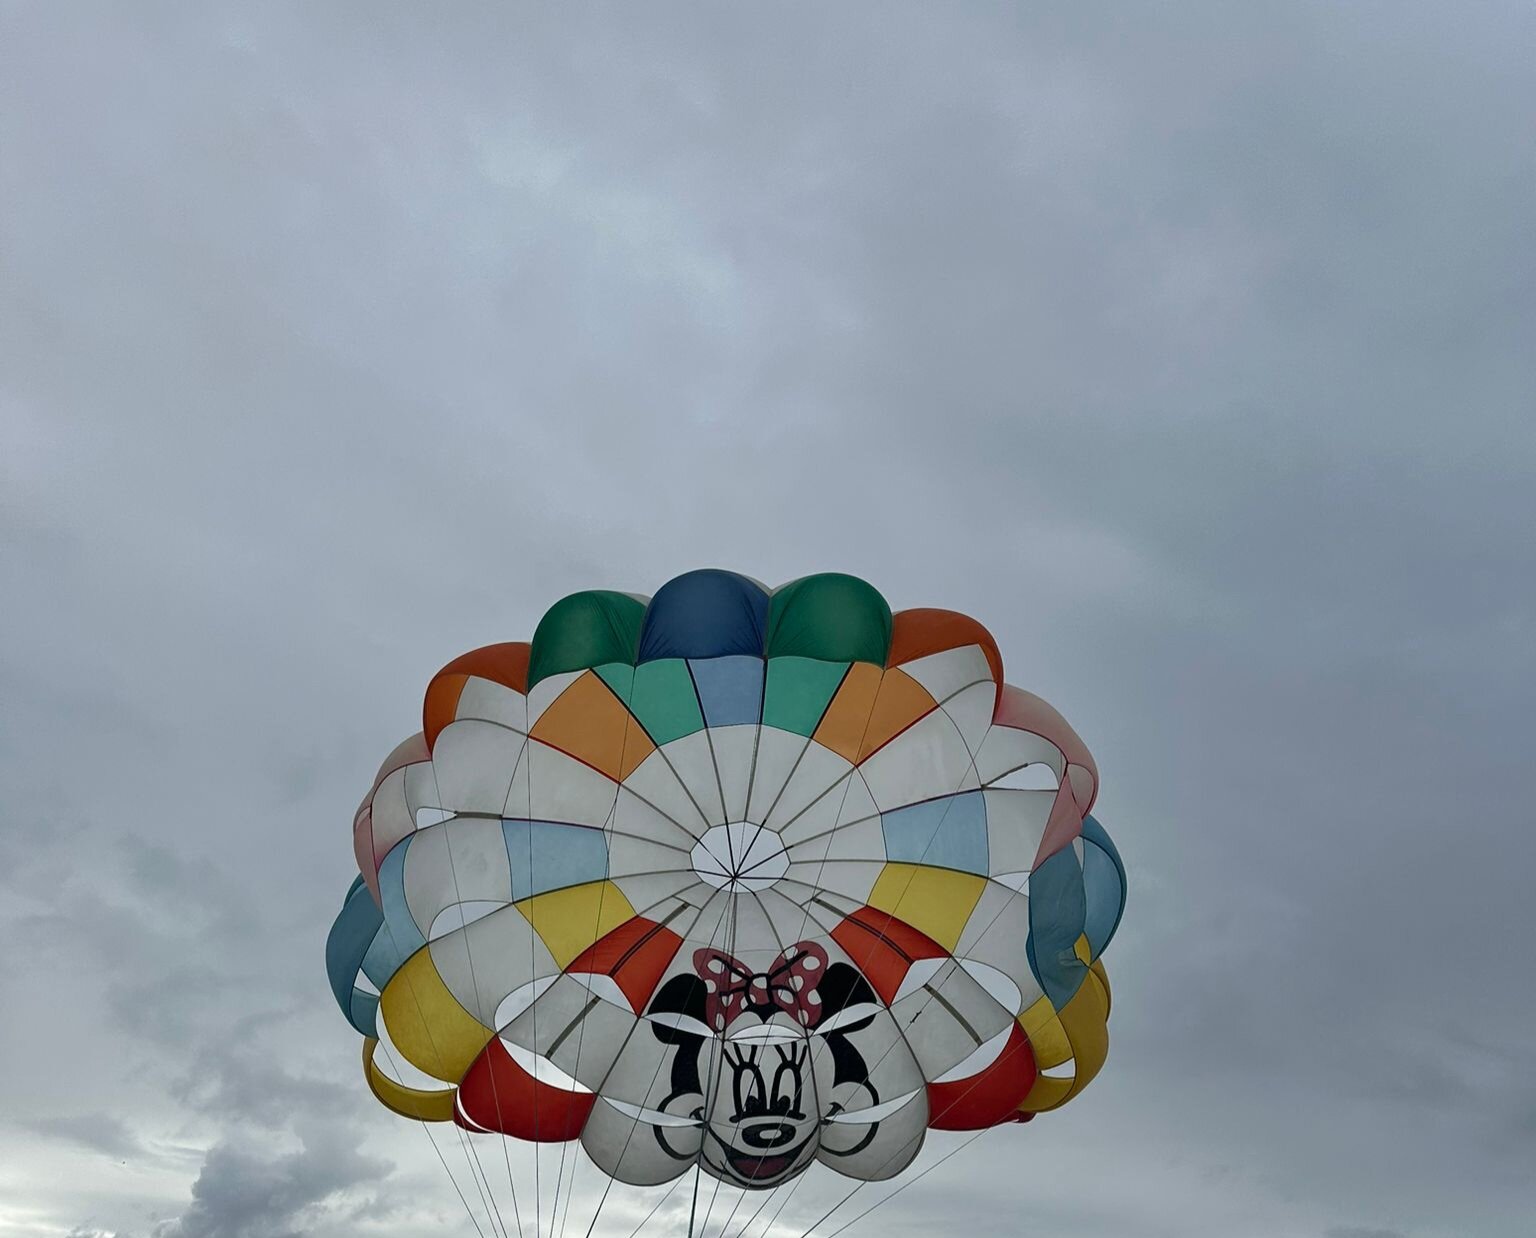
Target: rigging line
(661, 1060)
(856, 767)
(469, 1150)
(912, 1181)
(864, 1183)
(717, 1053)
(656, 1207)
(758, 1211)
(570, 1187)
(750, 788)
(939, 707)
(525, 756)
(647, 911)
(570, 1192)
(975, 1083)
(602, 893)
(490, 1194)
(465, 1148)
(698, 1171)
(782, 946)
(506, 1156)
(710, 1210)
(891, 915)
(997, 915)
(504, 815)
(714, 761)
(757, 747)
(731, 1216)
(943, 817)
(861, 1185)
(538, 1203)
(683, 784)
(804, 748)
(474, 981)
(656, 1074)
(847, 781)
(757, 743)
(427, 1130)
(731, 949)
(799, 756)
(458, 1190)
(581, 1033)
(426, 1025)
(690, 835)
(791, 1184)
(740, 1199)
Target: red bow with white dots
(733, 989)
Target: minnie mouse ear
(670, 1025)
(677, 1011)
(847, 1018)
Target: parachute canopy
(732, 877)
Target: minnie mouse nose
(767, 1134)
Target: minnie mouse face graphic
(782, 1061)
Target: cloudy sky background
(1186, 346)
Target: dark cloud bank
(1187, 348)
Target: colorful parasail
(732, 878)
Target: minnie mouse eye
(748, 1086)
(787, 1088)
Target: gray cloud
(290, 1159)
(101, 1132)
(250, 1192)
(261, 1091)
(1185, 348)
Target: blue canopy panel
(1103, 886)
(349, 941)
(1057, 910)
(551, 855)
(399, 925)
(730, 688)
(946, 833)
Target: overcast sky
(1186, 346)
